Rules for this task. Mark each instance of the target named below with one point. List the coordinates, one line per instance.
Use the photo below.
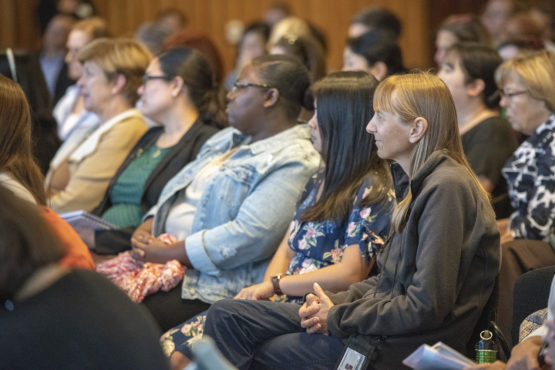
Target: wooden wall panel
(18, 26)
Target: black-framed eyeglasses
(509, 95)
(240, 86)
(147, 78)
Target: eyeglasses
(509, 95)
(240, 86)
(147, 78)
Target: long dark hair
(15, 139)
(194, 69)
(26, 243)
(344, 108)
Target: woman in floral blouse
(343, 215)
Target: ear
(417, 129)
(379, 70)
(476, 87)
(118, 83)
(272, 97)
(178, 85)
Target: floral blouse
(530, 175)
(319, 244)
(316, 244)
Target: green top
(127, 192)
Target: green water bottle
(486, 350)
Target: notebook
(85, 220)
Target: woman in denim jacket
(343, 216)
(230, 208)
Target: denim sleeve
(259, 226)
(151, 212)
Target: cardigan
(114, 241)
(93, 164)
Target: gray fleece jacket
(436, 275)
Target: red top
(78, 254)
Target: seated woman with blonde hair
(437, 269)
(344, 213)
(113, 71)
(527, 236)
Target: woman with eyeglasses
(112, 71)
(230, 208)
(528, 235)
(344, 213)
(437, 267)
(528, 95)
(487, 139)
(179, 94)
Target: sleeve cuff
(196, 251)
(151, 213)
(539, 332)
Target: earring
(174, 94)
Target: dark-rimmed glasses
(509, 95)
(147, 78)
(240, 86)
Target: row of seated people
(439, 174)
(246, 179)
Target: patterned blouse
(316, 244)
(530, 175)
(319, 244)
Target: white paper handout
(439, 356)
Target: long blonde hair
(422, 94)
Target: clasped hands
(314, 312)
(147, 248)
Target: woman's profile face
(253, 45)
(76, 40)
(444, 40)
(96, 89)
(452, 74)
(524, 112)
(354, 62)
(315, 133)
(155, 92)
(245, 106)
(391, 136)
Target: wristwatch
(275, 283)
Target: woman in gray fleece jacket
(437, 268)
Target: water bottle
(486, 350)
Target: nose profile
(370, 128)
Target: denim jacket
(244, 211)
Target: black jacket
(436, 274)
(113, 241)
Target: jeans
(268, 335)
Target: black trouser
(268, 335)
(169, 309)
